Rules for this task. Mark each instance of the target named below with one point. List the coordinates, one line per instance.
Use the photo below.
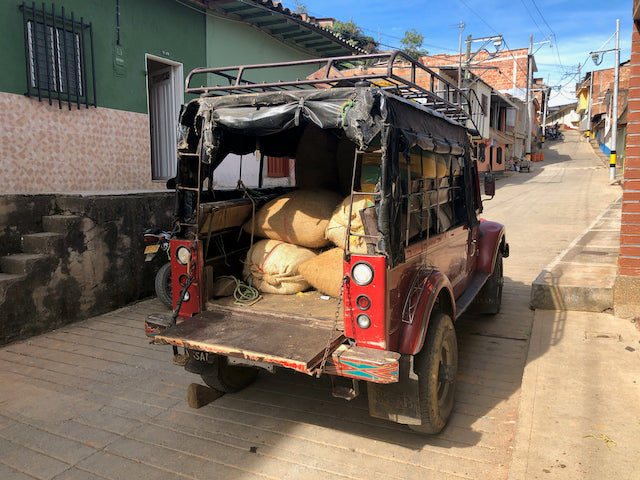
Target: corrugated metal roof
(282, 23)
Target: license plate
(151, 249)
(200, 356)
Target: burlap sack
(272, 267)
(298, 217)
(337, 227)
(324, 272)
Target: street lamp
(596, 57)
(497, 42)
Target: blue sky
(575, 28)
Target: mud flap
(398, 402)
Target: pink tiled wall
(47, 150)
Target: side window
(58, 52)
(436, 194)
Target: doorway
(164, 97)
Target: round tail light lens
(183, 255)
(363, 302)
(362, 273)
(363, 321)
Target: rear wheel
(223, 377)
(437, 366)
(163, 285)
(494, 287)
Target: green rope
(345, 109)
(243, 293)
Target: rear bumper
(368, 364)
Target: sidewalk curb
(550, 291)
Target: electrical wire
(531, 16)
(479, 16)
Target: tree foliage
(352, 33)
(412, 43)
(300, 8)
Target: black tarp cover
(272, 122)
(359, 111)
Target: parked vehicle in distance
(379, 241)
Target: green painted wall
(235, 43)
(163, 28)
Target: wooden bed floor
(305, 307)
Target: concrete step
(43, 242)
(21, 263)
(583, 276)
(60, 223)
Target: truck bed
(274, 330)
(306, 308)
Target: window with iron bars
(56, 52)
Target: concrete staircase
(42, 250)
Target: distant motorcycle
(554, 133)
(157, 241)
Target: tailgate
(261, 338)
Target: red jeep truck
(392, 138)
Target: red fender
(427, 286)
(491, 238)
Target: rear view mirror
(490, 184)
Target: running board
(475, 285)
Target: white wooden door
(163, 119)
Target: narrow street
(95, 401)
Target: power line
(398, 38)
(480, 17)
(543, 19)
(531, 16)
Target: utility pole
(528, 100)
(467, 60)
(461, 27)
(590, 103)
(497, 42)
(614, 110)
(614, 113)
(545, 102)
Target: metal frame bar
(66, 63)
(75, 61)
(84, 65)
(46, 49)
(457, 108)
(57, 74)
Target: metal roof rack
(395, 72)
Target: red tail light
(186, 271)
(365, 301)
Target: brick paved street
(95, 400)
